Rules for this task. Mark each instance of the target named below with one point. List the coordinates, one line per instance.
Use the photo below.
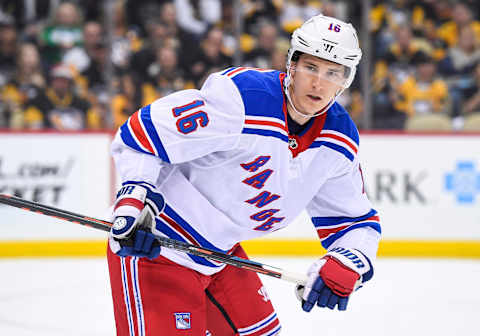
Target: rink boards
(426, 189)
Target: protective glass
(333, 73)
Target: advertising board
(71, 171)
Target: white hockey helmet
(327, 38)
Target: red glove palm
(338, 277)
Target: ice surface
(405, 297)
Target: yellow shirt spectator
(449, 32)
(416, 97)
(461, 17)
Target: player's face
(315, 82)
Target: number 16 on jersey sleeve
(190, 117)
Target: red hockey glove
(334, 277)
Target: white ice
(406, 297)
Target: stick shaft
(55, 212)
(163, 241)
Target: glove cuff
(354, 260)
(130, 200)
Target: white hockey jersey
(229, 170)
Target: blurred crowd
(426, 60)
(75, 65)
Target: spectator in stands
(255, 11)
(8, 46)
(353, 100)
(389, 14)
(396, 65)
(62, 34)
(335, 9)
(92, 10)
(165, 76)
(227, 24)
(423, 92)
(436, 46)
(95, 72)
(386, 17)
(390, 72)
(92, 83)
(425, 16)
(80, 56)
(140, 61)
(129, 97)
(474, 6)
(442, 11)
(126, 101)
(378, 17)
(384, 113)
(429, 13)
(195, 16)
(139, 13)
(29, 15)
(462, 58)
(125, 40)
(210, 57)
(101, 111)
(458, 66)
(58, 106)
(25, 84)
(278, 61)
(93, 78)
(461, 17)
(185, 40)
(163, 31)
(296, 12)
(261, 55)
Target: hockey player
(235, 160)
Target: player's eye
(333, 74)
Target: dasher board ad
(424, 187)
(68, 171)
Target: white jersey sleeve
(342, 214)
(180, 127)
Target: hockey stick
(163, 241)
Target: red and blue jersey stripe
(338, 133)
(139, 133)
(330, 229)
